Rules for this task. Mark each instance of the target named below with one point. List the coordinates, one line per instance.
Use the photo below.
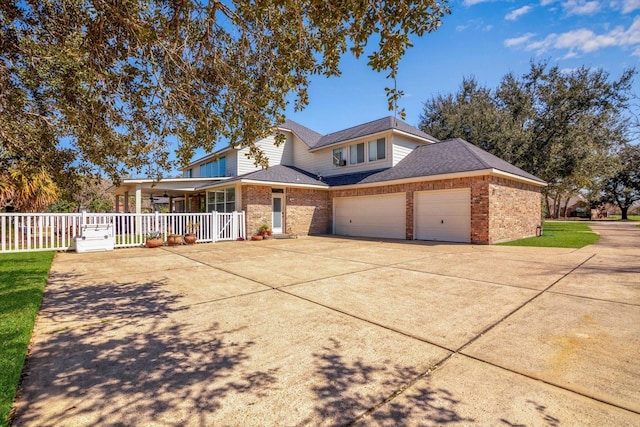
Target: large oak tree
(116, 85)
(559, 125)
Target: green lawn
(22, 280)
(618, 217)
(570, 234)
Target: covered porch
(173, 195)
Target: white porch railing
(21, 232)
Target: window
(214, 169)
(221, 200)
(339, 157)
(377, 150)
(356, 154)
(190, 173)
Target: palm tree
(30, 189)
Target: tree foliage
(559, 126)
(30, 190)
(623, 188)
(121, 83)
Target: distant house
(382, 179)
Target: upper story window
(362, 152)
(356, 153)
(214, 169)
(340, 156)
(377, 149)
(190, 173)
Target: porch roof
(169, 186)
(278, 174)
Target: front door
(276, 219)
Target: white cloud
(627, 6)
(581, 41)
(517, 41)
(546, 2)
(581, 7)
(515, 14)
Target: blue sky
(485, 39)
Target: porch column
(138, 198)
(170, 204)
(187, 203)
(126, 202)
(138, 209)
(117, 210)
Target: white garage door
(443, 215)
(371, 216)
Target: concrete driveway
(330, 331)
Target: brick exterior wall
(511, 212)
(256, 203)
(501, 209)
(514, 210)
(307, 211)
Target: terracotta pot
(174, 239)
(256, 237)
(153, 243)
(190, 238)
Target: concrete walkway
(329, 331)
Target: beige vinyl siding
(401, 147)
(276, 155)
(303, 159)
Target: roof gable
(447, 157)
(370, 128)
(308, 136)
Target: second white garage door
(371, 216)
(443, 215)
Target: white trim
(468, 174)
(282, 198)
(271, 184)
(496, 172)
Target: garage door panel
(443, 215)
(371, 216)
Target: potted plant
(153, 239)
(174, 239)
(190, 236)
(264, 230)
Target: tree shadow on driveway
(114, 354)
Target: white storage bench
(95, 238)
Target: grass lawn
(22, 280)
(570, 234)
(618, 217)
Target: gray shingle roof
(376, 126)
(308, 136)
(282, 174)
(446, 157)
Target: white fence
(21, 232)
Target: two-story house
(383, 179)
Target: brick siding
(501, 209)
(514, 210)
(256, 203)
(307, 211)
